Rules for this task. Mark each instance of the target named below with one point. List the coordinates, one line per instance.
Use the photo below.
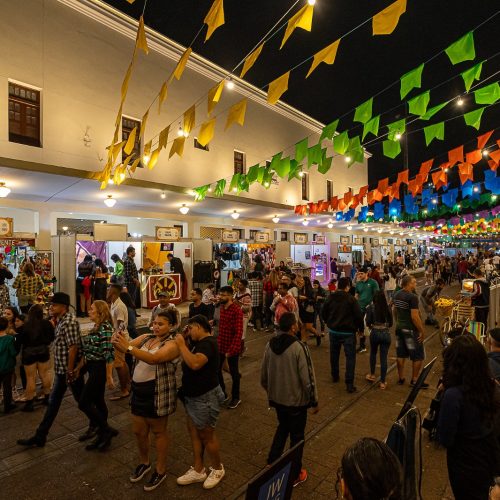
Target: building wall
(79, 63)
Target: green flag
(283, 167)
(395, 128)
(275, 161)
(233, 186)
(391, 148)
(355, 150)
(487, 95)
(462, 49)
(341, 143)
(253, 174)
(301, 150)
(418, 105)
(364, 111)
(325, 165)
(267, 178)
(431, 112)
(201, 192)
(329, 130)
(473, 118)
(295, 169)
(471, 75)
(260, 174)
(314, 154)
(243, 184)
(411, 80)
(219, 187)
(435, 131)
(371, 127)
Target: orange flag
(334, 203)
(425, 168)
(370, 198)
(383, 185)
(385, 22)
(347, 197)
(483, 139)
(495, 155)
(493, 165)
(439, 179)
(447, 165)
(355, 201)
(394, 191)
(362, 192)
(412, 187)
(465, 172)
(377, 195)
(402, 178)
(474, 156)
(456, 155)
(341, 205)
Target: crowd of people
(208, 349)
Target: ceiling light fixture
(110, 201)
(301, 174)
(276, 219)
(349, 228)
(311, 2)
(65, 228)
(4, 190)
(163, 195)
(379, 231)
(365, 229)
(305, 222)
(111, 181)
(235, 214)
(184, 210)
(230, 83)
(330, 225)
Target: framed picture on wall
(398, 243)
(375, 242)
(358, 240)
(345, 240)
(300, 238)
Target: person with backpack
(428, 298)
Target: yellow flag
(141, 42)
(250, 60)
(154, 159)
(177, 147)
(214, 96)
(163, 139)
(126, 162)
(134, 165)
(215, 17)
(147, 149)
(385, 22)
(162, 96)
(236, 114)
(277, 88)
(130, 141)
(179, 69)
(130, 1)
(144, 121)
(327, 55)
(189, 119)
(206, 132)
(116, 149)
(303, 19)
(126, 80)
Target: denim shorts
(204, 410)
(407, 345)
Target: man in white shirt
(164, 305)
(119, 316)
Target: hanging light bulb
(110, 201)
(460, 101)
(347, 159)
(305, 222)
(163, 195)
(180, 132)
(4, 190)
(311, 2)
(184, 210)
(276, 219)
(398, 136)
(476, 189)
(145, 159)
(235, 214)
(230, 83)
(330, 225)
(122, 177)
(111, 181)
(266, 184)
(301, 174)
(210, 189)
(485, 153)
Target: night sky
(365, 65)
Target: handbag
(431, 418)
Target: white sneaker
(214, 478)
(191, 476)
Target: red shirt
(230, 330)
(462, 267)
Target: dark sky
(364, 66)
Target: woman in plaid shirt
(28, 285)
(154, 392)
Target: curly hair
(465, 364)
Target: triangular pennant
(181, 65)
(385, 22)
(488, 95)
(250, 60)
(140, 41)
(214, 96)
(163, 139)
(396, 129)
(471, 75)
(432, 111)
(253, 173)
(325, 165)
(326, 55)
(465, 172)
(135, 165)
(371, 127)
(474, 156)
(144, 122)
(341, 143)
(314, 155)
(282, 168)
(154, 159)
(363, 112)
(462, 49)
(177, 147)
(456, 155)
(303, 19)
(206, 133)
(219, 188)
(402, 177)
(214, 18)
(277, 88)
(418, 105)
(473, 118)
(329, 130)
(432, 132)
(189, 120)
(411, 80)
(129, 146)
(383, 185)
(483, 139)
(162, 96)
(124, 88)
(236, 114)
(301, 149)
(391, 148)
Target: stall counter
(160, 282)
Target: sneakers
(155, 481)
(140, 471)
(214, 478)
(234, 404)
(191, 476)
(361, 350)
(302, 477)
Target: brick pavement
(63, 469)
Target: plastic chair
(478, 330)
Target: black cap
(60, 298)
(363, 269)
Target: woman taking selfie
(154, 392)
(202, 396)
(466, 427)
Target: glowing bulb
(122, 176)
(266, 184)
(65, 228)
(163, 196)
(235, 190)
(180, 132)
(446, 170)
(235, 214)
(301, 174)
(391, 232)
(330, 225)
(210, 189)
(276, 219)
(349, 228)
(4, 190)
(311, 2)
(110, 201)
(184, 210)
(111, 181)
(459, 206)
(365, 229)
(145, 159)
(494, 197)
(476, 189)
(347, 159)
(398, 136)
(425, 210)
(434, 201)
(230, 84)
(379, 231)
(485, 152)
(305, 222)
(460, 101)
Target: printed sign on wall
(167, 233)
(6, 227)
(300, 238)
(261, 237)
(230, 236)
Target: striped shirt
(97, 344)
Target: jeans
(91, 400)
(6, 384)
(291, 421)
(379, 337)
(55, 400)
(232, 361)
(257, 316)
(349, 343)
(317, 314)
(268, 314)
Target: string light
(476, 189)
(347, 159)
(145, 159)
(301, 174)
(230, 83)
(111, 181)
(266, 184)
(398, 136)
(485, 153)
(311, 2)
(460, 101)
(180, 132)
(330, 225)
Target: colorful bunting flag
(456, 155)
(219, 188)
(473, 118)
(154, 159)
(371, 127)
(250, 60)
(303, 19)
(385, 22)
(326, 164)
(162, 96)
(277, 88)
(483, 139)
(314, 155)
(207, 131)
(237, 114)
(329, 130)
(487, 95)
(163, 139)
(402, 177)
(462, 49)
(141, 42)
(391, 148)
(214, 18)
(326, 55)
(144, 121)
(124, 88)
(471, 75)
(129, 146)
(474, 156)
(181, 65)
(418, 105)
(411, 80)
(282, 168)
(189, 120)
(432, 132)
(465, 172)
(177, 147)
(301, 149)
(341, 143)
(396, 128)
(364, 111)
(214, 96)
(432, 111)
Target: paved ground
(63, 469)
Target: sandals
(383, 385)
(370, 378)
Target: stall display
(264, 251)
(155, 283)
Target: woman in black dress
(307, 302)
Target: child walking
(7, 364)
